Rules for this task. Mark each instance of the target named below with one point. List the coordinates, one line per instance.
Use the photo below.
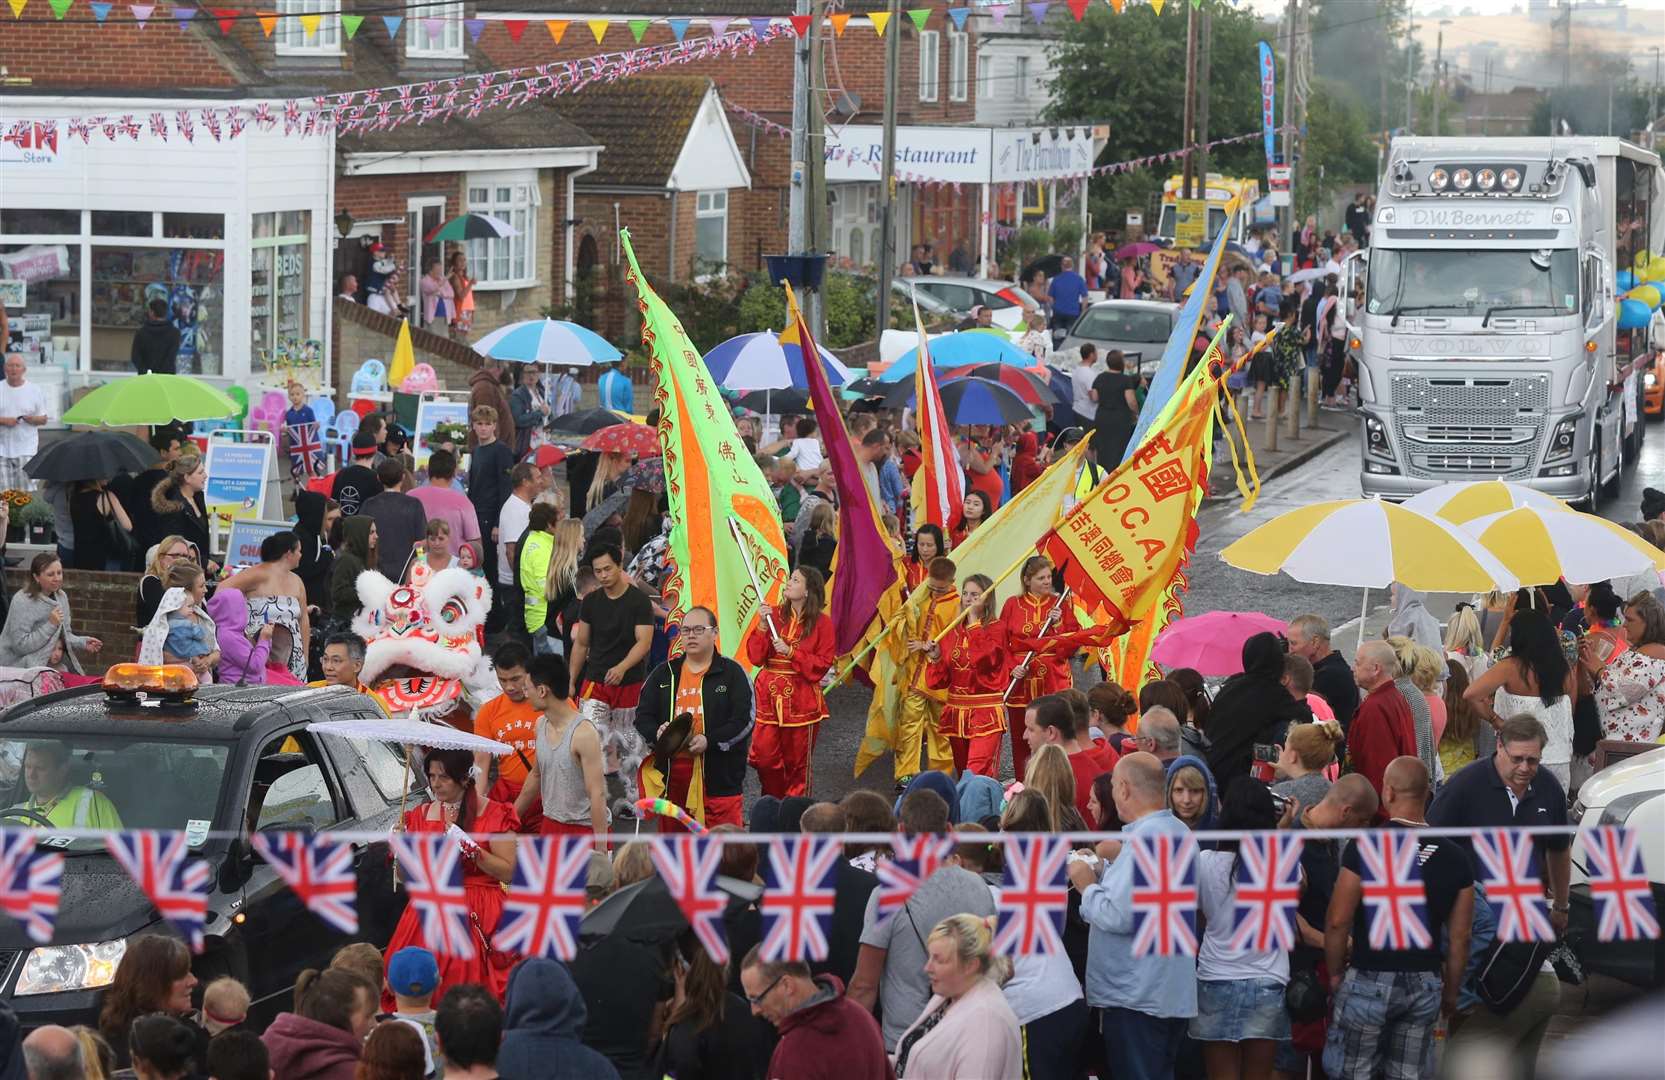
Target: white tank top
(561, 778)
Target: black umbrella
(587, 421)
(644, 912)
(91, 455)
(778, 402)
(866, 388)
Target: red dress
(974, 666)
(788, 700)
(485, 907)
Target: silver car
(1008, 302)
(1139, 328)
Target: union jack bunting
(912, 860)
(689, 866)
(1515, 893)
(1034, 895)
(1164, 894)
(546, 899)
(798, 878)
(1393, 892)
(432, 866)
(306, 450)
(1619, 885)
(30, 884)
(1267, 894)
(319, 870)
(156, 863)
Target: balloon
(1625, 281)
(1633, 314)
(1654, 270)
(1650, 295)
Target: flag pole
(1004, 574)
(1051, 617)
(734, 528)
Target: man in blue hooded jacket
(543, 1028)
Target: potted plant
(37, 522)
(15, 500)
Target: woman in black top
(820, 540)
(314, 514)
(92, 510)
(180, 509)
(710, 1031)
(163, 555)
(1118, 409)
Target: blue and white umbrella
(762, 361)
(547, 341)
(960, 350)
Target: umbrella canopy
(1542, 546)
(1369, 544)
(471, 227)
(961, 350)
(648, 474)
(644, 912)
(864, 387)
(638, 439)
(768, 361)
(547, 341)
(411, 733)
(1212, 643)
(151, 399)
(776, 401)
(587, 421)
(1311, 273)
(90, 455)
(601, 511)
(1137, 250)
(979, 401)
(1463, 502)
(1027, 385)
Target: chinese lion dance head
(423, 640)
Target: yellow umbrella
(1543, 546)
(404, 357)
(1469, 499)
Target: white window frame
(276, 278)
(930, 64)
(705, 207)
(985, 77)
(290, 36)
(448, 45)
(959, 64)
(1020, 78)
(484, 194)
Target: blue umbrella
(547, 341)
(960, 350)
(979, 401)
(762, 361)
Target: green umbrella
(471, 227)
(152, 399)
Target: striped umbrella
(979, 401)
(1544, 546)
(471, 227)
(1024, 383)
(961, 350)
(547, 341)
(767, 361)
(1469, 499)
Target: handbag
(118, 542)
(1507, 970)
(1304, 997)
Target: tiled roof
(536, 125)
(641, 122)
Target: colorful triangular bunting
(350, 24)
(719, 24)
(1078, 8)
(958, 14)
(475, 28)
(638, 27)
(838, 22)
(1156, 6)
(60, 7)
(919, 16)
(392, 23)
(100, 11)
(880, 20)
(1116, 5)
(759, 24)
(515, 27)
(679, 27)
(598, 29)
(182, 15)
(141, 12)
(800, 24)
(434, 28)
(557, 28)
(268, 21)
(17, 7)
(999, 13)
(1037, 11)
(310, 23)
(227, 18)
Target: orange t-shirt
(690, 698)
(515, 723)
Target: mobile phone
(1281, 802)
(1266, 752)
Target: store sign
(43, 262)
(1277, 184)
(944, 155)
(30, 144)
(247, 534)
(237, 474)
(1043, 153)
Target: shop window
(509, 263)
(433, 30)
(193, 226)
(44, 322)
(711, 227)
(928, 65)
(123, 223)
(959, 58)
(280, 290)
(40, 222)
(292, 38)
(1020, 77)
(857, 249)
(985, 77)
(125, 280)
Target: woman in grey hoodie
(38, 632)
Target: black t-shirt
(1320, 864)
(613, 626)
(1445, 873)
(353, 485)
(1112, 387)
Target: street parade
(831, 540)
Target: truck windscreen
(1469, 282)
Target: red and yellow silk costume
(973, 666)
(788, 699)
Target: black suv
(232, 761)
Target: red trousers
(561, 828)
(1020, 748)
(980, 755)
(781, 756)
(506, 792)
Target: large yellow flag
(404, 358)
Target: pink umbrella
(1212, 643)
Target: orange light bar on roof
(168, 679)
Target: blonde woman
(967, 1028)
(1465, 641)
(608, 468)
(163, 556)
(561, 586)
(1049, 774)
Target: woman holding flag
(1042, 633)
(793, 646)
(971, 663)
(928, 546)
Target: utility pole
(887, 170)
(797, 223)
(1410, 66)
(1188, 123)
(1439, 73)
(817, 234)
(1287, 248)
(1565, 19)
(1653, 103)
(1205, 42)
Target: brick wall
(101, 605)
(361, 334)
(118, 55)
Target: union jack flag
(319, 870)
(546, 899)
(1619, 885)
(156, 863)
(263, 116)
(1514, 891)
(434, 881)
(1268, 892)
(30, 884)
(799, 878)
(1034, 894)
(159, 126)
(1164, 894)
(306, 450)
(1393, 891)
(913, 859)
(689, 866)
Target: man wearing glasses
(823, 1034)
(707, 765)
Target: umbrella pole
(1364, 609)
(403, 796)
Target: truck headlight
(1562, 440)
(1376, 438)
(53, 969)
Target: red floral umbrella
(637, 439)
(1031, 388)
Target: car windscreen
(1124, 324)
(74, 780)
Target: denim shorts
(1231, 1011)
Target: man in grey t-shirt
(890, 967)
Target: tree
(1338, 149)
(1358, 48)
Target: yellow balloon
(1641, 261)
(1650, 295)
(1653, 271)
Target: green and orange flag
(710, 481)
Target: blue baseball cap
(412, 972)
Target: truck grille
(1470, 425)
